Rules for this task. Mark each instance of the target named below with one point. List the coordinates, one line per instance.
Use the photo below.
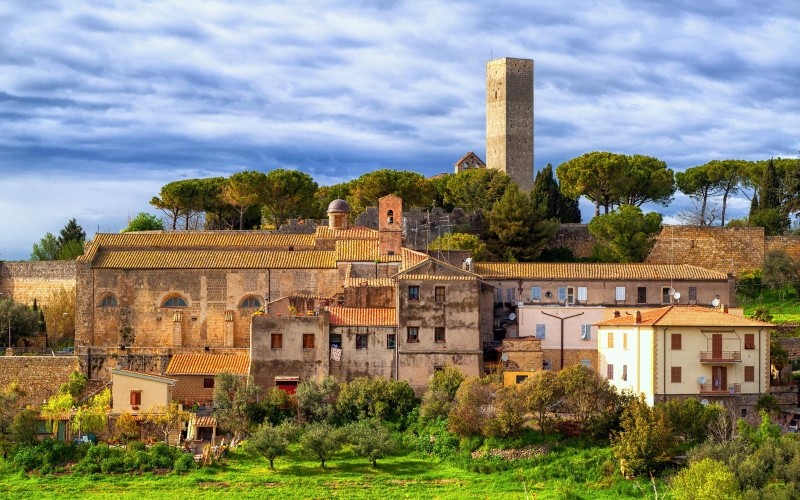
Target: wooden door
(716, 346)
(720, 378)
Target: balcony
(710, 389)
(720, 356)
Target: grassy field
(575, 471)
(784, 307)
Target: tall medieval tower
(509, 119)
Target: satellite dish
(671, 291)
(519, 304)
(504, 357)
(704, 402)
(512, 316)
(701, 380)
(677, 295)
(715, 302)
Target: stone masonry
(25, 281)
(39, 376)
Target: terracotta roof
(435, 277)
(411, 258)
(550, 270)
(208, 364)
(156, 378)
(685, 316)
(467, 156)
(363, 316)
(355, 232)
(370, 282)
(215, 259)
(362, 251)
(155, 240)
(204, 421)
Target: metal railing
(712, 389)
(720, 357)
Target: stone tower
(509, 119)
(390, 225)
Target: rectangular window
(540, 332)
(586, 332)
(498, 294)
(276, 341)
(620, 293)
(583, 294)
(665, 297)
(641, 295)
(562, 293)
(208, 383)
(413, 334)
(675, 374)
(438, 334)
(308, 341)
(361, 341)
(438, 294)
(536, 293)
(521, 378)
(511, 295)
(136, 398)
(624, 340)
(676, 341)
(570, 295)
(624, 372)
(610, 374)
(545, 364)
(692, 293)
(390, 341)
(749, 373)
(749, 341)
(336, 340)
(587, 363)
(512, 333)
(610, 340)
(413, 293)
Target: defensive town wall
(39, 376)
(25, 281)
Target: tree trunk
(271, 467)
(724, 205)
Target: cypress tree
(547, 193)
(770, 189)
(753, 204)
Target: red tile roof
(589, 271)
(208, 364)
(684, 316)
(363, 316)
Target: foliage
(317, 400)
(413, 188)
(779, 269)
(60, 326)
(45, 454)
(232, 395)
(540, 393)
(749, 282)
(126, 427)
(707, 479)
(70, 250)
(23, 427)
(46, 249)
(700, 183)
(476, 189)
(57, 406)
(11, 401)
(24, 322)
(625, 235)
(547, 193)
(364, 398)
(372, 440)
(322, 441)
(778, 357)
(179, 199)
(586, 393)
(459, 241)
(772, 220)
(94, 416)
(442, 388)
(689, 419)
(275, 407)
(508, 415)
(166, 418)
(144, 222)
(517, 229)
(768, 403)
(288, 194)
(472, 407)
(244, 190)
(75, 386)
(71, 232)
(271, 441)
(646, 442)
(762, 314)
(101, 458)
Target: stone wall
(576, 237)
(523, 354)
(25, 281)
(792, 346)
(39, 376)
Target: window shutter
(620, 295)
(676, 341)
(749, 341)
(610, 340)
(586, 332)
(749, 373)
(582, 293)
(536, 293)
(610, 374)
(675, 373)
(540, 331)
(562, 293)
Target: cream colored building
(676, 352)
(136, 392)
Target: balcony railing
(720, 357)
(711, 389)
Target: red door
(290, 386)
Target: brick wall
(189, 389)
(25, 281)
(39, 376)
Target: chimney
(724, 308)
(638, 317)
(616, 314)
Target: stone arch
(174, 300)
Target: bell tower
(390, 224)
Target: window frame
(583, 294)
(412, 339)
(135, 398)
(624, 373)
(174, 298)
(436, 335)
(276, 341)
(676, 340)
(619, 293)
(246, 300)
(749, 340)
(610, 371)
(208, 383)
(570, 295)
(313, 342)
(362, 341)
(541, 331)
(641, 295)
(665, 297)
(391, 341)
(586, 331)
(109, 297)
(692, 295)
(749, 373)
(610, 340)
(676, 375)
(624, 340)
(546, 365)
(413, 293)
(436, 295)
(538, 295)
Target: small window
(136, 398)
(624, 372)
(413, 334)
(692, 293)
(208, 383)
(620, 293)
(438, 294)
(308, 341)
(545, 364)
(540, 332)
(438, 368)
(676, 341)
(174, 302)
(610, 372)
(390, 217)
(413, 293)
(536, 293)
(587, 363)
(336, 340)
(276, 341)
(641, 295)
(438, 334)
(624, 340)
(512, 333)
(749, 341)
(583, 294)
(665, 296)
(511, 294)
(749, 373)
(520, 379)
(570, 295)
(610, 340)
(586, 332)
(498, 294)
(109, 301)
(251, 302)
(675, 374)
(744, 413)
(562, 293)
(361, 342)
(391, 341)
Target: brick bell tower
(390, 224)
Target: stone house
(194, 374)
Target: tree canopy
(477, 188)
(144, 222)
(624, 235)
(518, 230)
(288, 194)
(413, 188)
(546, 192)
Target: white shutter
(562, 293)
(586, 332)
(536, 293)
(582, 293)
(540, 331)
(620, 293)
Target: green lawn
(784, 307)
(570, 471)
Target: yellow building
(677, 352)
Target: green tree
(232, 396)
(70, 250)
(218, 213)
(774, 222)
(778, 356)
(779, 269)
(365, 398)
(475, 189)
(700, 183)
(24, 321)
(517, 229)
(71, 232)
(769, 404)
(317, 400)
(509, 414)
(372, 440)
(689, 419)
(540, 392)
(126, 427)
(46, 249)
(12, 398)
(167, 419)
(472, 407)
(93, 417)
(289, 194)
(730, 178)
(75, 386)
(770, 187)
(648, 180)
(586, 393)
(244, 190)
(459, 241)
(707, 479)
(322, 441)
(442, 387)
(23, 427)
(271, 441)
(547, 193)
(770, 214)
(413, 188)
(144, 222)
(179, 199)
(646, 442)
(599, 176)
(625, 235)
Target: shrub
(432, 437)
(316, 401)
(705, 480)
(646, 441)
(508, 413)
(322, 441)
(372, 440)
(27, 458)
(185, 463)
(472, 407)
(112, 464)
(23, 427)
(364, 398)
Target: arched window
(390, 216)
(174, 302)
(251, 302)
(109, 301)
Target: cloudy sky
(101, 103)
